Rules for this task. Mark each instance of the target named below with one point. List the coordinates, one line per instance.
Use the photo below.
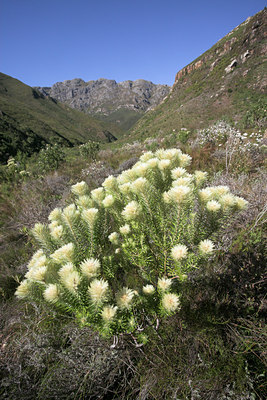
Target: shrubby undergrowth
(118, 256)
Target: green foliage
(89, 150)
(117, 258)
(256, 115)
(50, 157)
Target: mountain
(123, 103)
(28, 119)
(227, 81)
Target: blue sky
(46, 41)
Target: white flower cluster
(118, 223)
(222, 134)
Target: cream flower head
(90, 216)
(108, 313)
(131, 211)
(179, 194)
(98, 290)
(164, 284)
(124, 297)
(80, 189)
(148, 289)
(98, 195)
(206, 247)
(178, 172)
(108, 201)
(170, 302)
(57, 232)
(63, 254)
(90, 267)
(241, 203)
(213, 205)
(114, 238)
(179, 252)
(23, 289)
(110, 183)
(84, 201)
(125, 229)
(51, 293)
(139, 185)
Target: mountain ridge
(227, 81)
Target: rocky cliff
(227, 81)
(106, 96)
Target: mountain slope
(226, 81)
(28, 119)
(123, 103)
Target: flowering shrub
(116, 258)
(89, 150)
(50, 157)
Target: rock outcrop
(104, 96)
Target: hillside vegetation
(28, 120)
(227, 81)
(137, 269)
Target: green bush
(50, 157)
(89, 150)
(117, 257)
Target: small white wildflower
(71, 281)
(152, 163)
(66, 270)
(125, 188)
(164, 164)
(205, 194)
(80, 189)
(51, 293)
(63, 254)
(57, 232)
(146, 156)
(148, 289)
(98, 290)
(98, 195)
(213, 205)
(166, 197)
(241, 203)
(124, 297)
(110, 183)
(227, 200)
(220, 190)
(84, 201)
(179, 252)
(178, 172)
(90, 267)
(23, 289)
(125, 229)
(108, 313)
(206, 246)
(139, 185)
(114, 238)
(36, 274)
(170, 302)
(184, 181)
(90, 216)
(179, 193)
(185, 160)
(39, 231)
(38, 260)
(164, 284)
(70, 212)
(131, 211)
(141, 169)
(55, 215)
(200, 177)
(108, 201)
